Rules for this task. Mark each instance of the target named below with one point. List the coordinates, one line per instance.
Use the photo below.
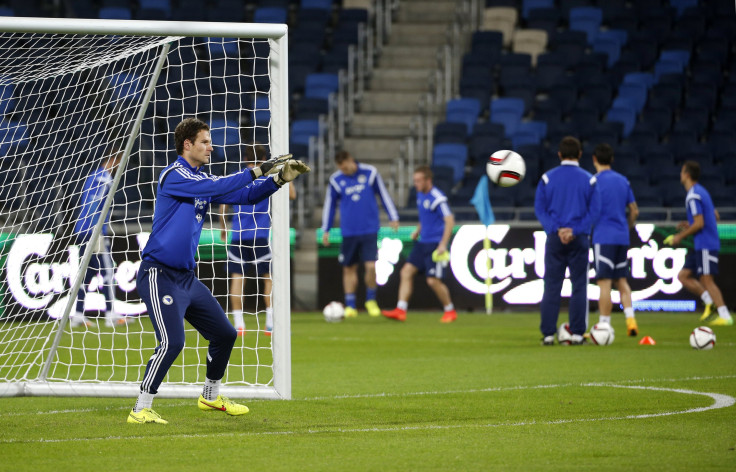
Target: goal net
(86, 126)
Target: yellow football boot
(222, 403)
(372, 308)
(146, 415)
(351, 312)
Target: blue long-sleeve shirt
(567, 197)
(95, 190)
(183, 195)
(357, 196)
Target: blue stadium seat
(547, 111)
(528, 5)
(627, 116)
(163, 5)
(451, 155)
(621, 18)
(599, 93)
(546, 19)
(270, 15)
(302, 130)
(682, 5)
(636, 92)
(353, 15)
(311, 108)
(681, 57)
(609, 46)
(115, 13)
(645, 78)
(565, 95)
(312, 17)
(487, 41)
(321, 4)
(225, 135)
(320, 85)
(450, 132)
(507, 111)
(488, 128)
(126, 86)
(336, 59)
(481, 147)
(463, 110)
(223, 47)
(586, 19)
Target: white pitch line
(393, 394)
(719, 401)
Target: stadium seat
(311, 108)
(481, 147)
(487, 40)
(488, 128)
(636, 92)
(463, 110)
(529, 5)
(225, 136)
(681, 57)
(451, 155)
(317, 4)
(529, 41)
(270, 15)
(599, 93)
(645, 78)
(627, 116)
(564, 95)
(448, 132)
(501, 19)
(115, 13)
(609, 46)
(586, 19)
(302, 130)
(311, 17)
(682, 5)
(320, 85)
(621, 18)
(164, 5)
(352, 15)
(546, 19)
(336, 59)
(547, 111)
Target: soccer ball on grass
(702, 338)
(602, 334)
(506, 168)
(334, 312)
(564, 335)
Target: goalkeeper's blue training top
(183, 195)
(95, 190)
(357, 196)
(567, 197)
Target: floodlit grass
(371, 394)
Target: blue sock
(370, 293)
(350, 300)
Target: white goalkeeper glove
(271, 166)
(289, 171)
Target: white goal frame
(279, 141)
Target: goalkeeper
(166, 281)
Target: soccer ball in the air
(334, 312)
(602, 334)
(564, 335)
(506, 168)
(702, 338)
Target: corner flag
(482, 202)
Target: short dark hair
(426, 170)
(189, 128)
(692, 168)
(570, 148)
(342, 156)
(604, 154)
(255, 153)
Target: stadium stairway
(399, 81)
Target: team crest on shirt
(362, 179)
(426, 204)
(167, 299)
(200, 208)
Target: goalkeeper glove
(669, 240)
(292, 169)
(271, 166)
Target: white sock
(211, 389)
(238, 319)
(723, 312)
(110, 315)
(449, 307)
(145, 400)
(604, 319)
(269, 318)
(705, 296)
(629, 312)
(402, 305)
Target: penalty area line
(719, 401)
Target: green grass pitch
(371, 394)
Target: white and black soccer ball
(702, 338)
(506, 168)
(334, 312)
(602, 334)
(564, 335)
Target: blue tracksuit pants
(557, 258)
(172, 296)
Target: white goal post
(73, 92)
